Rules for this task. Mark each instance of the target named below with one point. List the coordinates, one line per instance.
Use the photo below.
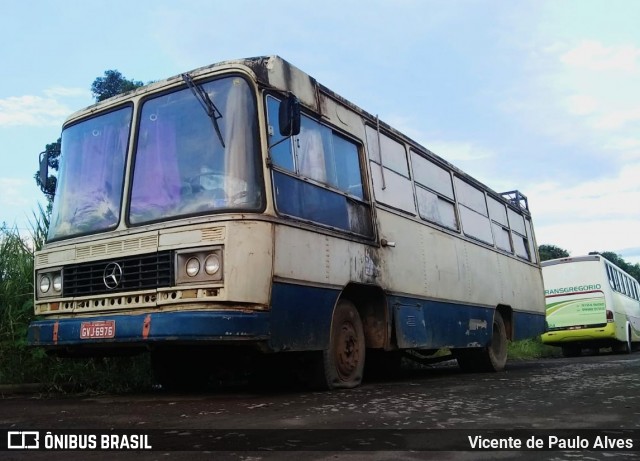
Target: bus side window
(610, 276)
(627, 287)
(313, 148)
(281, 154)
(616, 280)
(434, 192)
(499, 224)
(347, 167)
(390, 172)
(474, 214)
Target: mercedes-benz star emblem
(112, 275)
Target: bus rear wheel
(341, 365)
(490, 358)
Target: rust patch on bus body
(146, 326)
(55, 332)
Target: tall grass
(16, 299)
(20, 363)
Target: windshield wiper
(206, 103)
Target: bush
(532, 349)
(20, 363)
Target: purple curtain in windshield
(156, 184)
(102, 163)
(93, 189)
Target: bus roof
(571, 259)
(277, 73)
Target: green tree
(53, 159)
(112, 84)
(552, 252)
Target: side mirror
(289, 116)
(44, 170)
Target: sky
(536, 95)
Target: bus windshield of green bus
(180, 167)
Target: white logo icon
(23, 440)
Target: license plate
(100, 329)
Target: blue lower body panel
(299, 320)
(202, 326)
(301, 317)
(528, 325)
(428, 324)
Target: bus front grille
(140, 272)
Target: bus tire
(341, 365)
(490, 358)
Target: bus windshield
(92, 162)
(185, 164)
(181, 166)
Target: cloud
(599, 83)
(582, 237)
(615, 196)
(597, 215)
(460, 151)
(32, 110)
(593, 56)
(57, 91)
(13, 191)
(581, 104)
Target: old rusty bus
(245, 210)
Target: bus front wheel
(341, 365)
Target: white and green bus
(591, 303)
(243, 211)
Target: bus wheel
(490, 358)
(571, 351)
(342, 364)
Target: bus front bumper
(141, 329)
(584, 335)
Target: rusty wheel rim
(347, 351)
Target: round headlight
(193, 267)
(45, 283)
(212, 264)
(57, 282)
